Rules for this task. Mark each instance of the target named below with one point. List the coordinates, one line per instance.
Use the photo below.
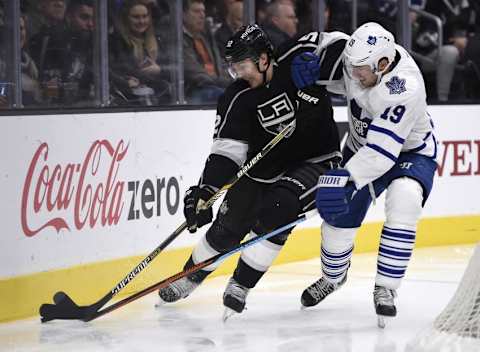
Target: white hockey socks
(261, 256)
(403, 206)
(336, 251)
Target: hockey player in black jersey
(254, 108)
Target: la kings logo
(276, 113)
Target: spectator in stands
(233, 21)
(205, 74)
(385, 12)
(136, 59)
(339, 15)
(44, 13)
(304, 10)
(218, 9)
(77, 74)
(261, 11)
(161, 16)
(31, 94)
(47, 48)
(63, 52)
(281, 23)
(472, 67)
(458, 19)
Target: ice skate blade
(160, 303)
(227, 313)
(381, 321)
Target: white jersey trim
(231, 148)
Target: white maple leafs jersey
(387, 119)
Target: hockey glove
(305, 69)
(334, 194)
(194, 198)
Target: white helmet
(368, 44)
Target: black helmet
(248, 42)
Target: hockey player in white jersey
(390, 147)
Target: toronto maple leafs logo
(372, 40)
(396, 85)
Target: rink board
(85, 197)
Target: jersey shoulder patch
(396, 85)
(396, 89)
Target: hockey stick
(217, 258)
(65, 308)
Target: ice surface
(273, 321)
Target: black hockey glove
(194, 198)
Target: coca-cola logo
(89, 194)
(76, 187)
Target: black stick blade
(64, 308)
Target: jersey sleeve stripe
(428, 135)
(434, 156)
(389, 133)
(417, 149)
(336, 74)
(233, 149)
(382, 151)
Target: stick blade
(63, 308)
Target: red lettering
(114, 215)
(57, 223)
(462, 158)
(96, 200)
(43, 180)
(51, 185)
(441, 163)
(478, 157)
(84, 195)
(64, 193)
(97, 203)
(119, 154)
(459, 158)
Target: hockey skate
(316, 292)
(384, 304)
(234, 298)
(177, 290)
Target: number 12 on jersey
(397, 111)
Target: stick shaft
(219, 257)
(145, 262)
(150, 257)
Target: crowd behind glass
(148, 63)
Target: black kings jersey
(248, 118)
